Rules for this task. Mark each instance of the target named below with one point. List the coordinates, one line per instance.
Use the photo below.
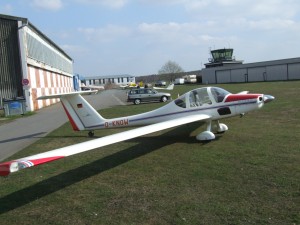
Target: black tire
(91, 133)
(164, 99)
(137, 101)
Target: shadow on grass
(35, 135)
(146, 145)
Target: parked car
(160, 83)
(139, 95)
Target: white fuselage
(199, 101)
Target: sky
(137, 37)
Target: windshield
(199, 97)
(219, 94)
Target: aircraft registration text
(116, 123)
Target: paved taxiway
(18, 134)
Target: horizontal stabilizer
(67, 94)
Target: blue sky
(110, 37)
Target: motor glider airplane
(206, 104)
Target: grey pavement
(18, 134)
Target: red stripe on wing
(22, 164)
(45, 160)
(4, 168)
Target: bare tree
(170, 67)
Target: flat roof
(109, 76)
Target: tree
(170, 67)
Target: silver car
(139, 95)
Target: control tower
(222, 57)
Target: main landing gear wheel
(207, 135)
(91, 133)
(221, 128)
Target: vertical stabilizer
(81, 114)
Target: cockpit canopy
(201, 97)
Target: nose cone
(268, 98)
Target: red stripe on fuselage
(237, 97)
(74, 126)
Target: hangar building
(223, 68)
(113, 79)
(31, 64)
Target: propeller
(268, 98)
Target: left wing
(15, 165)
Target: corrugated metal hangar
(31, 64)
(225, 69)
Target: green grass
(249, 175)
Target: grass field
(249, 175)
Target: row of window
(44, 54)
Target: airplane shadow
(146, 145)
(35, 135)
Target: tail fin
(81, 114)
(170, 87)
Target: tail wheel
(91, 133)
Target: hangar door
(10, 67)
(277, 72)
(239, 75)
(294, 71)
(223, 76)
(257, 74)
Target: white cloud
(53, 5)
(74, 49)
(179, 33)
(106, 34)
(274, 24)
(107, 3)
(6, 9)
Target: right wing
(15, 165)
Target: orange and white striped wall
(45, 82)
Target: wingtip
(5, 169)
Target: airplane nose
(268, 98)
